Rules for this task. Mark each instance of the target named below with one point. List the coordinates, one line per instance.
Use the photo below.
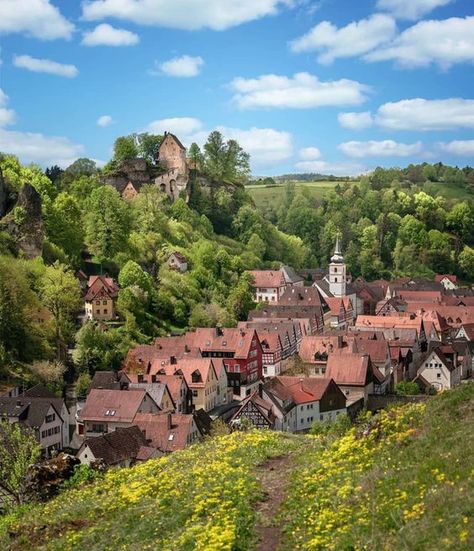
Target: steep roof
(349, 369)
(439, 278)
(401, 321)
(165, 431)
(112, 405)
(97, 284)
(234, 340)
(301, 296)
(291, 277)
(263, 406)
(319, 344)
(106, 379)
(120, 445)
(267, 278)
(187, 367)
(29, 410)
(378, 350)
(173, 137)
(300, 389)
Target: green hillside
(273, 195)
(401, 480)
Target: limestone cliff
(25, 224)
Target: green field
(273, 195)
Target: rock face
(135, 171)
(3, 196)
(25, 224)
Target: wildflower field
(201, 498)
(400, 480)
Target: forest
(389, 227)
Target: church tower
(337, 272)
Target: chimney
(186, 349)
(153, 378)
(140, 378)
(173, 360)
(169, 423)
(260, 390)
(148, 368)
(219, 331)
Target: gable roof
(98, 284)
(267, 278)
(120, 445)
(165, 431)
(264, 407)
(301, 296)
(301, 390)
(319, 344)
(29, 410)
(173, 137)
(440, 277)
(378, 350)
(112, 405)
(350, 369)
(106, 379)
(291, 277)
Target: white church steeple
(337, 272)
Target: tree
(82, 384)
(407, 388)
(50, 374)
(60, 293)
(82, 167)
(64, 225)
(225, 161)
(461, 220)
(125, 147)
(106, 222)
(133, 275)
(240, 300)
(195, 156)
(54, 173)
(19, 450)
(148, 146)
(466, 261)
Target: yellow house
(100, 298)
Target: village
(317, 346)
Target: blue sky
(331, 86)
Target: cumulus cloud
(104, 120)
(7, 116)
(383, 148)
(45, 150)
(334, 168)
(37, 18)
(184, 66)
(181, 126)
(302, 91)
(183, 14)
(422, 114)
(410, 9)
(444, 42)
(265, 145)
(106, 35)
(355, 121)
(38, 65)
(463, 148)
(357, 38)
(309, 153)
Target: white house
(438, 371)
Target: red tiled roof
(439, 278)
(322, 344)
(301, 389)
(234, 340)
(164, 431)
(124, 404)
(349, 369)
(267, 278)
(98, 284)
(186, 368)
(377, 350)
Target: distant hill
(399, 480)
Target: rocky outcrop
(46, 479)
(24, 223)
(3, 195)
(135, 171)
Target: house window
(50, 418)
(335, 270)
(438, 375)
(105, 310)
(335, 279)
(97, 302)
(104, 302)
(195, 393)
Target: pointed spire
(337, 256)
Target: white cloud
(309, 153)
(423, 114)
(7, 116)
(183, 14)
(181, 126)
(336, 169)
(184, 66)
(301, 91)
(46, 150)
(463, 148)
(410, 9)
(384, 148)
(37, 18)
(355, 121)
(357, 38)
(443, 42)
(104, 120)
(106, 35)
(265, 145)
(45, 66)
